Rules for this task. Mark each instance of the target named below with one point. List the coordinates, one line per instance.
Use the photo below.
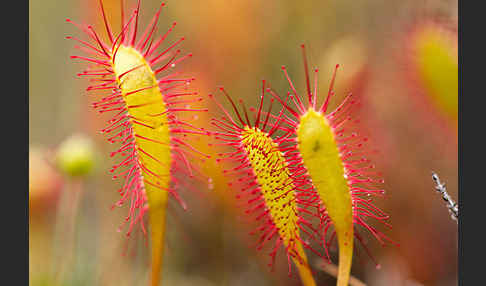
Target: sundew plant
(133, 77)
(327, 150)
(265, 184)
(431, 66)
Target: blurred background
(398, 57)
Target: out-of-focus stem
(65, 228)
(332, 270)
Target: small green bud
(76, 156)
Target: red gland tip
(283, 67)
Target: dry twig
(451, 204)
